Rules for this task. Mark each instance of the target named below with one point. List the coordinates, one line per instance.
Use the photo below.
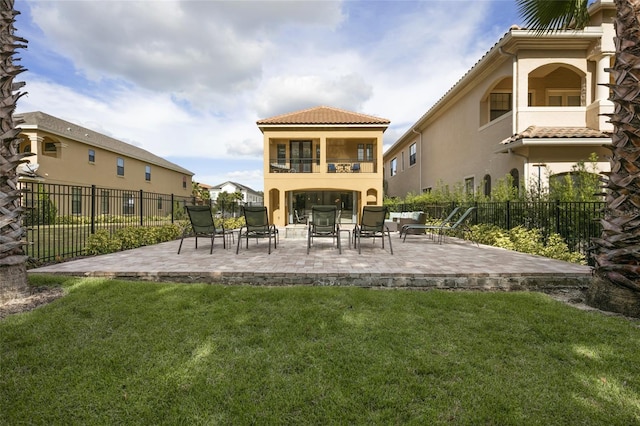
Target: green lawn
(120, 352)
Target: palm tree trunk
(617, 253)
(13, 275)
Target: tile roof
(324, 115)
(69, 130)
(540, 132)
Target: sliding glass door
(301, 155)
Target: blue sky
(187, 80)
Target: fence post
(141, 208)
(508, 218)
(171, 208)
(93, 209)
(558, 217)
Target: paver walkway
(418, 262)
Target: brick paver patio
(419, 262)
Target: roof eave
(552, 142)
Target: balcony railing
(333, 165)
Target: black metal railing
(576, 222)
(312, 165)
(60, 218)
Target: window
(402, 162)
(104, 202)
(282, 153)
(365, 152)
(76, 200)
(159, 203)
(92, 156)
(563, 98)
(412, 154)
(393, 167)
(147, 173)
(50, 149)
(120, 166)
(499, 105)
(184, 182)
(318, 154)
(487, 185)
(469, 186)
(515, 179)
(128, 203)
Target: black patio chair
(257, 226)
(372, 226)
(324, 224)
(203, 225)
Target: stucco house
(249, 196)
(322, 156)
(531, 107)
(67, 154)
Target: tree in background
(13, 269)
(617, 253)
(201, 194)
(229, 201)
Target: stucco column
(323, 154)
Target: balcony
(333, 165)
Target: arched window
(515, 179)
(487, 185)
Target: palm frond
(553, 15)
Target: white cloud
(189, 79)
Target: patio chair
(355, 168)
(331, 168)
(299, 218)
(459, 225)
(323, 225)
(372, 226)
(202, 224)
(257, 226)
(434, 227)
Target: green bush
(43, 212)
(526, 241)
(103, 242)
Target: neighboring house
(532, 106)
(322, 156)
(67, 154)
(73, 155)
(249, 196)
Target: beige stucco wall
(334, 143)
(71, 166)
(456, 141)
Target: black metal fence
(576, 222)
(60, 218)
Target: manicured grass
(117, 352)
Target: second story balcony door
(301, 155)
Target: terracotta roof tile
(324, 115)
(538, 132)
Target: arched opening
(515, 180)
(556, 85)
(486, 180)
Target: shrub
(103, 242)
(526, 241)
